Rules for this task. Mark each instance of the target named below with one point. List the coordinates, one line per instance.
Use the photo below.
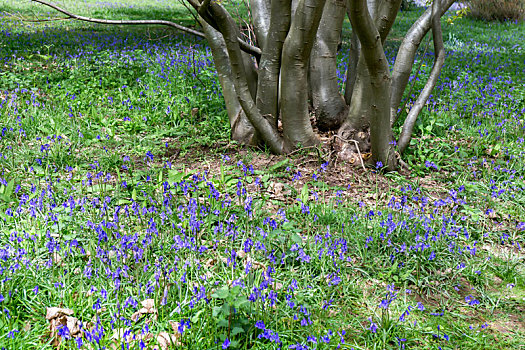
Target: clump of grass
(497, 10)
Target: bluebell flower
(373, 325)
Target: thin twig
(189, 10)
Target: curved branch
(407, 53)
(120, 22)
(439, 60)
(244, 46)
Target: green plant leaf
(221, 293)
(237, 330)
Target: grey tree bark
(260, 10)
(297, 129)
(270, 64)
(351, 70)
(358, 84)
(230, 32)
(329, 106)
(241, 128)
(372, 50)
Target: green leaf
(279, 165)
(10, 188)
(296, 238)
(175, 176)
(240, 301)
(221, 293)
(196, 317)
(216, 311)
(304, 194)
(222, 322)
(237, 330)
(226, 310)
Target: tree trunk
(297, 48)
(270, 64)
(260, 10)
(230, 32)
(358, 85)
(329, 105)
(241, 128)
(380, 82)
(351, 69)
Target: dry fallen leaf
(255, 265)
(73, 324)
(175, 326)
(167, 340)
(54, 312)
(61, 317)
(148, 308)
(57, 259)
(210, 263)
(277, 286)
(149, 304)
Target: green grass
(119, 184)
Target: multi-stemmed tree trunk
(286, 77)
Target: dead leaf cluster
(61, 317)
(148, 308)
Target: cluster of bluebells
(118, 242)
(130, 251)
